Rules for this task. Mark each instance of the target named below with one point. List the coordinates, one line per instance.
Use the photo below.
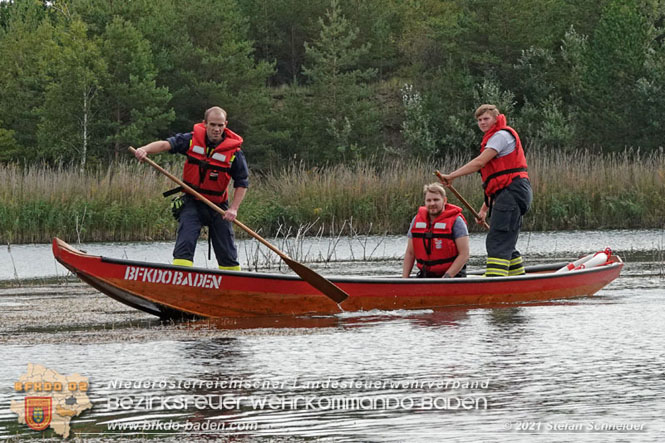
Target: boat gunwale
(379, 280)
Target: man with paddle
(508, 194)
(438, 238)
(214, 159)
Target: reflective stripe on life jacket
(499, 172)
(209, 173)
(433, 244)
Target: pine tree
(70, 107)
(26, 40)
(616, 60)
(345, 121)
(135, 109)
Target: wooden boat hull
(172, 291)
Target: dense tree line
(327, 81)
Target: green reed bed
(579, 190)
(121, 203)
(358, 198)
(584, 190)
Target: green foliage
(380, 25)
(535, 70)
(627, 206)
(548, 124)
(322, 81)
(489, 91)
(66, 128)
(344, 119)
(9, 149)
(26, 42)
(137, 106)
(615, 62)
(280, 29)
(417, 125)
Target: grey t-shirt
(502, 142)
(459, 228)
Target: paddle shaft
(319, 282)
(460, 198)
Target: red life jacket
(499, 172)
(210, 174)
(433, 245)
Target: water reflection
(349, 320)
(263, 322)
(443, 318)
(507, 319)
(213, 350)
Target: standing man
(214, 159)
(508, 194)
(438, 238)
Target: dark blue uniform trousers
(193, 217)
(508, 207)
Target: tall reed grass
(585, 190)
(580, 190)
(121, 203)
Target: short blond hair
(215, 109)
(482, 109)
(435, 188)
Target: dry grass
(584, 190)
(581, 190)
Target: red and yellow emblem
(38, 412)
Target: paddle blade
(319, 282)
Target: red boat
(175, 292)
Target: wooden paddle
(457, 194)
(326, 287)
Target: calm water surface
(582, 370)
